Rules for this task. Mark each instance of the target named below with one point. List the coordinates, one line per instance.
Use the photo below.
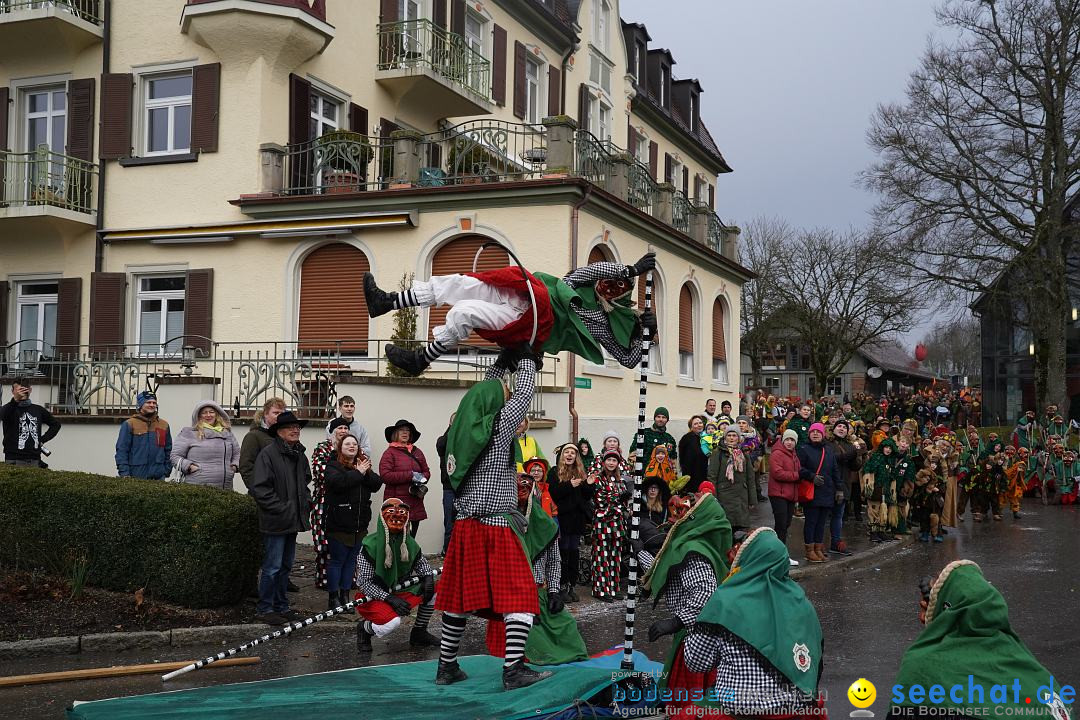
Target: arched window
(719, 342)
(599, 253)
(457, 256)
(686, 332)
(332, 303)
(655, 355)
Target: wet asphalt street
(868, 616)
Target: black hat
(414, 434)
(285, 418)
(338, 422)
(665, 491)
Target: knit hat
(791, 434)
(337, 422)
(661, 411)
(142, 398)
(817, 426)
(746, 418)
(611, 453)
(610, 434)
(707, 487)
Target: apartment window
(46, 118)
(532, 91)
(35, 312)
(665, 79)
(834, 387)
(160, 313)
(719, 349)
(603, 24)
(676, 174)
(693, 112)
(641, 147)
(772, 384)
(601, 113)
(600, 73)
(325, 114)
(167, 113)
(636, 65)
(474, 32)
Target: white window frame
(145, 104)
(164, 296)
(837, 383)
(323, 99)
(603, 111)
(676, 175)
(656, 351)
(641, 145)
(41, 301)
(693, 107)
(481, 41)
(602, 25)
(534, 114)
(50, 115)
(665, 76)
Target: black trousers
(782, 511)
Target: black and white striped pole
(639, 471)
(287, 629)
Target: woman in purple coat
(404, 471)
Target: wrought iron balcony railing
(338, 162)
(88, 10)
(416, 45)
(44, 177)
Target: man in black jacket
(280, 489)
(22, 421)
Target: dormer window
(665, 84)
(693, 112)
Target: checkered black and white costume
(547, 568)
(688, 590)
(372, 586)
(746, 683)
(596, 321)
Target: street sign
(583, 383)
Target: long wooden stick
(639, 471)
(114, 671)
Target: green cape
(760, 603)
(540, 533)
(375, 547)
(704, 530)
(568, 332)
(967, 633)
(471, 432)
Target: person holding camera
(23, 424)
(817, 461)
(404, 471)
(349, 482)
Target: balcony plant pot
(347, 155)
(338, 182)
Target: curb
(858, 561)
(179, 637)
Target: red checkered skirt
(379, 612)
(680, 678)
(486, 573)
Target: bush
(190, 545)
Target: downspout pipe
(571, 365)
(106, 43)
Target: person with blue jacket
(817, 461)
(145, 443)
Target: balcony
(423, 66)
(44, 184)
(47, 28)
(483, 153)
(289, 32)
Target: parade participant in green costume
(585, 312)
(878, 483)
(801, 423)
(657, 435)
(968, 642)
(554, 638)
(760, 635)
(685, 572)
(905, 470)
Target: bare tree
(976, 168)
(952, 348)
(838, 293)
(766, 241)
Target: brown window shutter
(80, 139)
(686, 320)
(631, 138)
(107, 290)
(299, 110)
(719, 346)
(498, 65)
(686, 181)
(457, 17)
(712, 196)
(667, 169)
(205, 107)
(5, 96)
(554, 90)
(358, 119)
(68, 316)
(388, 11)
(597, 254)
(438, 13)
(457, 256)
(655, 293)
(654, 152)
(116, 99)
(519, 80)
(584, 100)
(5, 288)
(198, 308)
(332, 278)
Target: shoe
(604, 598)
(333, 602)
(379, 302)
(943, 531)
(811, 553)
(938, 538)
(924, 537)
(411, 362)
(761, 498)
(363, 639)
(820, 549)
(343, 597)
(293, 616)
(1016, 515)
(450, 673)
(291, 587)
(273, 619)
(792, 562)
(569, 595)
(977, 517)
(420, 637)
(997, 518)
(520, 675)
(841, 548)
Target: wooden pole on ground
(114, 671)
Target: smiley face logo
(862, 693)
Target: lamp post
(187, 359)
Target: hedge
(191, 545)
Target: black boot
(333, 602)
(379, 302)
(420, 637)
(291, 587)
(343, 597)
(412, 362)
(450, 673)
(363, 639)
(520, 675)
(570, 595)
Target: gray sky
(790, 86)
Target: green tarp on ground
(387, 691)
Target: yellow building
(192, 192)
